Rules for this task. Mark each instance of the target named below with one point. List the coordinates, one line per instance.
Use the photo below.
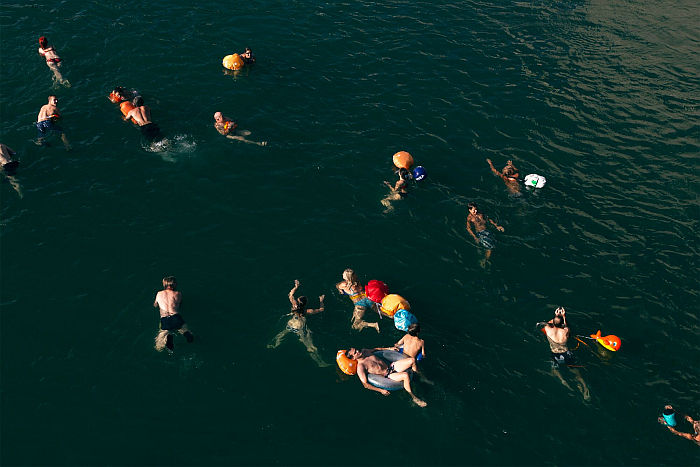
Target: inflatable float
(233, 62)
(381, 382)
(610, 342)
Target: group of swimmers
(168, 300)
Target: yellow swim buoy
(233, 62)
(403, 160)
(393, 303)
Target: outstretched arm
(362, 374)
(498, 227)
(319, 309)
(292, 300)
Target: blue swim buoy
(419, 173)
(670, 417)
(403, 319)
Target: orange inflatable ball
(403, 160)
(233, 62)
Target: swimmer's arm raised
(292, 300)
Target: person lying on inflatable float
(123, 98)
(369, 365)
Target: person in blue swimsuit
(297, 324)
(482, 235)
(351, 287)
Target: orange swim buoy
(610, 342)
(346, 365)
(403, 160)
(393, 303)
(233, 62)
(126, 107)
(113, 98)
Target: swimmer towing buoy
(404, 160)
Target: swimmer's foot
(263, 143)
(419, 402)
(585, 392)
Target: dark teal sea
(600, 97)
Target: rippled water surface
(599, 97)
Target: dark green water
(600, 97)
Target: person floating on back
(350, 286)
(46, 123)
(482, 235)
(53, 61)
(367, 363)
(168, 302)
(227, 127)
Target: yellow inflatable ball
(393, 303)
(403, 160)
(233, 62)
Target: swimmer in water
(367, 363)
(168, 302)
(297, 324)
(482, 236)
(53, 61)
(557, 332)
(509, 175)
(413, 346)
(351, 287)
(46, 123)
(248, 56)
(398, 191)
(141, 115)
(226, 127)
(695, 423)
(9, 167)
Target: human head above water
(474, 206)
(301, 304)
(352, 353)
(43, 42)
(218, 116)
(404, 174)
(414, 329)
(169, 282)
(350, 276)
(138, 101)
